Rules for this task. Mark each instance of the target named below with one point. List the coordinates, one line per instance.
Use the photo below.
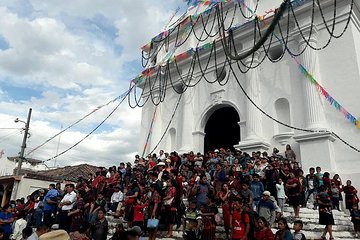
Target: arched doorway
(222, 129)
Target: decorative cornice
(314, 136)
(252, 144)
(283, 138)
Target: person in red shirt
(20, 205)
(99, 178)
(138, 219)
(169, 212)
(151, 163)
(293, 189)
(239, 221)
(264, 232)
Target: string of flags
(189, 53)
(332, 101)
(172, 17)
(206, 2)
(182, 23)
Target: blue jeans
(38, 214)
(335, 201)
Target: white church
(215, 115)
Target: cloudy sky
(65, 58)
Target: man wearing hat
(40, 230)
(161, 167)
(66, 205)
(55, 235)
(266, 208)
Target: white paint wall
(339, 66)
(28, 186)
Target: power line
(124, 95)
(88, 135)
(9, 135)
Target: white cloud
(76, 60)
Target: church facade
(213, 115)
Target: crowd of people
(167, 191)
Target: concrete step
(315, 217)
(221, 236)
(312, 211)
(343, 228)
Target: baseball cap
(266, 193)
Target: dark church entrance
(222, 129)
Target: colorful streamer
(206, 2)
(328, 97)
(171, 18)
(311, 78)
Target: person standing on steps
(50, 201)
(239, 221)
(293, 189)
(266, 208)
(312, 182)
(66, 205)
(350, 195)
(325, 212)
(281, 196)
(224, 196)
(355, 219)
(290, 154)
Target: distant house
(14, 187)
(68, 173)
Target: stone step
(337, 235)
(311, 227)
(221, 236)
(309, 224)
(315, 218)
(310, 210)
(342, 230)
(319, 228)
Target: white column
(198, 140)
(314, 109)
(146, 116)
(253, 115)
(242, 125)
(157, 131)
(187, 121)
